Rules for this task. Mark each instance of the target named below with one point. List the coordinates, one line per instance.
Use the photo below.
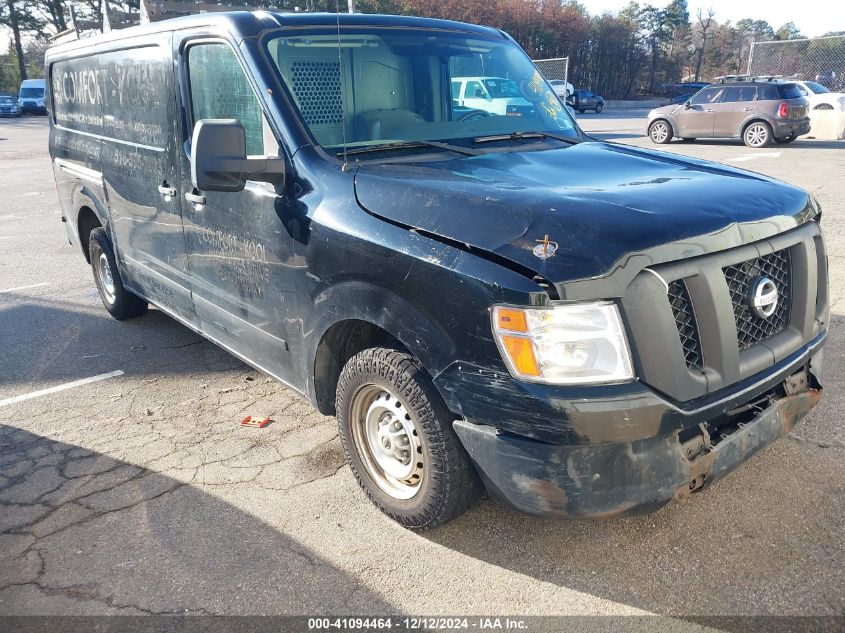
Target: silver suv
(756, 110)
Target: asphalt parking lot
(140, 493)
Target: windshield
(32, 93)
(6, 100)
(817, 88)
(398, 85)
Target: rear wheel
(660, 131)
(397, 435)
(758, 134)
(120, 303)
(581, 111)
(786, 139)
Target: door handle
(709, 110)
(166, 190)
(196, 198)
(748, 109)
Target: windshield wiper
(400, 145)
(518, 136)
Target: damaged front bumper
(604, 480)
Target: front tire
(120, 303)
(757, 134)
(660, 132)
(599, 107)
(398, 438)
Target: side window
(740, 94)
(708, 95)
(475, 90)
(456, 89)
(731, 95)
(768, 92)
(220, 90)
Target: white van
(31, 96)
(493, 95)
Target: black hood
(600, 203)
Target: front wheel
(758, 134)
(599, 107)
(660, 132)
(120, 303)
(398, 438)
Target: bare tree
(703, 26)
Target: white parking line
(69, 385)
(740, 159)
(41, 285)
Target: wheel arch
(90, 214)
(361, 315)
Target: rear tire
(757, 134)
(398, 438)
(581, 111)
(120, 303)
(660, 132)
(599, 107)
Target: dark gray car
(583, 100)
(758, 112)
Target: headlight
(566, 344)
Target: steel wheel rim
(387, 441)
(755, 135)
(659, 132)
(106, 278)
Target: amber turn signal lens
(511, 320)
(521, 353)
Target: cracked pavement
(142, 493)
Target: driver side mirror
(219, 161)
(687, 104)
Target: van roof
(252, 23)
(32, 82)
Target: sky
(812, 17)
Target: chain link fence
(556, 69)
(820, 59)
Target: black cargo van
(484, 300)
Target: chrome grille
(681, 304)
(750, 328)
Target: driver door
(238, 248)
(698, 120)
